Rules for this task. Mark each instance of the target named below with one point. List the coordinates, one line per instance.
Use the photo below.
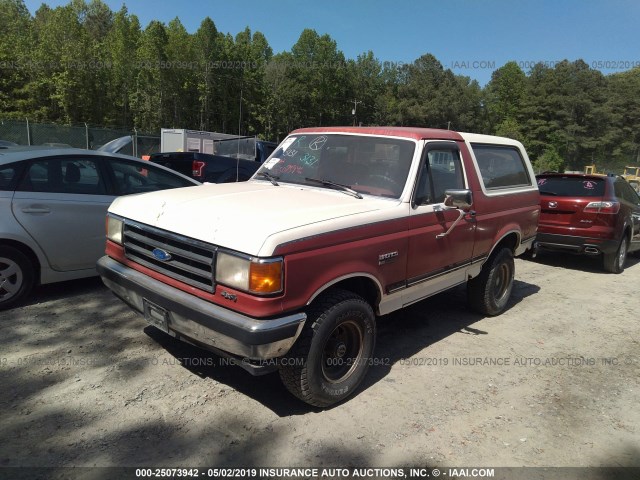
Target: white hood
(251, 217)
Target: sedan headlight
(254, 275)
(114, 229)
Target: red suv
(589, 214)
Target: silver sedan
(53, 204)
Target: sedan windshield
(370, 165)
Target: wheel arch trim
(354, 275)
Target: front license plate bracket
(156, 315)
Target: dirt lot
(555, 381)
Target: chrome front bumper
(201, 322)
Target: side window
(627, 193)
(63, 175)
(9, 173)
(131, 177)
(501, 166)
(442, 171)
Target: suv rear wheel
(332, 355)
(489, 292)
(614, 262)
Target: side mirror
(461, 199)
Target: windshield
(117, 144)
(370, 165)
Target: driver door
(439, 254)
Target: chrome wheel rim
(501, 282)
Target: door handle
(36, 210)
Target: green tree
(96, 19)
(504, 95)
(549, 161)
(565, 107)
(320, 68)
(430, 96)
(15, 43)
(208, 49)
(121, 52)
(182, 104)
(623, 103)
(59, 88)
(367, 87)
(510, 128)
(150, 99)
(251, 53)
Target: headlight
(254, 275)
(114, 229)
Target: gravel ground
(554, 381)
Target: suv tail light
(603, 207)
(196, 168)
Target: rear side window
(8, 173)
(571, 186)
(626, 192)
(61, 175)
(501, 166)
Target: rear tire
(489, 292)
(332, 355)
(614, 262)
(17, 276)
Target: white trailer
(182, 140)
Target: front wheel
(489, 292)
(16, 276)
(332, 355)
(614, 262)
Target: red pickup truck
(289, 270)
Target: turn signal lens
(265, 277)
(249, 274)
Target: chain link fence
(24, 132)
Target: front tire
(489, 292)
(16, 276)
(332, 355)
(614, 262)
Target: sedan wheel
(16, 276)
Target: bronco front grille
(189, 261)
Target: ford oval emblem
(161, 255)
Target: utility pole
(240, 116)
(353, 111)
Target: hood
(250, 217)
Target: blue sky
(472, 38)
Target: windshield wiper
(544, 192)
(269, 177)
(339, 186)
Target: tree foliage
(83, 62)
(549, 161)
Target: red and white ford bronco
(289, 270)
